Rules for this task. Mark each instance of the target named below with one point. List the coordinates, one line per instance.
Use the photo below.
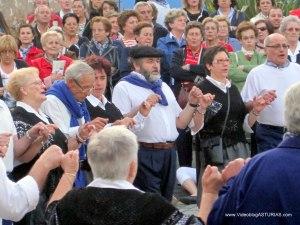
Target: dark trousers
(184, 144)
(268, 136)
(156, 171)
(6, 222)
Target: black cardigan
(234, 132)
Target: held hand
(259, 103)
(127, 121)
(51, 158)
(70, 162)
(211, 180)
(86, 130)
(269, 95)
(194, 95)
(47, 130)
(40, 129)
(73, 144)
(232, 169)
(99, 123)
(147, 105)
(206, 100)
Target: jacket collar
(290, 141)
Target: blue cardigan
(268, 186)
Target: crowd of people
(98, 105)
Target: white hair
(111, 151)
(292, 109)
(78, 69)
(286, 20)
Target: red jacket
(45, 67)
(33, 53)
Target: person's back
(102, 206)
(270, 178)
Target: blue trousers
(268, 137)
(156, 171)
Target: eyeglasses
(284, 46)
(291, 29)
(38, 82)
(261, 28)
(222, 61)
(86, 90)
(246, 38)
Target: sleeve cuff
(30, 188)
(246, 126)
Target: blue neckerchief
(24, 51)
(77, 111)
(269, 63)
(155, 86)
(101, 47)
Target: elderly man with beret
(143, 87)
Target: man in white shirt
(66, 107)
(16, 199)
(273, 77)
(157, 154)
(65, 7)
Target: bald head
(276, 47)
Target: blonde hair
(18, 79)
(48, 34)
(8, 43)
(172, 15)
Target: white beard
(153, 78)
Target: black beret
(145, 51)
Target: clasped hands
(196, 97)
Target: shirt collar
(297, 51)
(269, 63)
(172, 36)
(115, 184)
(219, 84)
(96, 102)
(29, 109)
(230, 14)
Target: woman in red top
(27, 50)
(52, 44)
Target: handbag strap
(227, 113)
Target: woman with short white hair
(290, 28)
(52, 64)
(111, 198)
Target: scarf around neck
(154, 86)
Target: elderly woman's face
(97, 3)
(178, 24)
(26, 35)
(265, 6)
(100, 83)
(194, 38)
(220, 66)
(98, 32)
(52, 46)
(71, 26)
(223, 29)
(130, 24)
(7, 56)
(107, 9)
(224, 3)
(262, 31)
(35, 90)
(292, 31)
(211, 31)
(146, 37)
(248, 39)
